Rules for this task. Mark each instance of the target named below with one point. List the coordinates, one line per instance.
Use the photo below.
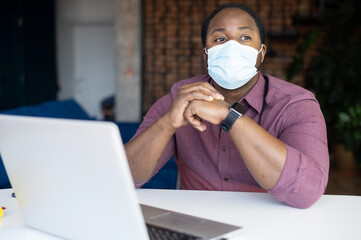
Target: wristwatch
(236, 111)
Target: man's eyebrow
(219, 30)
(223, 29)
(244, 27)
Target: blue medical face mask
(231, 64)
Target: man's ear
(205, 57)
(264, 50)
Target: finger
(197, 123)
(208, 89)
(197, 95)
(194, 120)
(203, 87)
(201, 127)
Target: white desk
(332, 217)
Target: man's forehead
(232, 17)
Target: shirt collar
(255, 96)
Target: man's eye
(246, 38)
(220, 39)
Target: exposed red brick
(172, 42)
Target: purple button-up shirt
(209, 160)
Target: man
(272, 137)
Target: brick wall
(172, 48)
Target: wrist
(236, 111)
(167, 124)
(225, 111)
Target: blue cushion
(4, 180)
(127, 130)
(55, 109)
(166, 178)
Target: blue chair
(166, 178)
(69, 109)
(4, 180)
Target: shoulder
(293, 103)
(279, 88)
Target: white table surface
(332, 217)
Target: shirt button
(224, 148)
(225, 179)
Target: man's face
(234, 24)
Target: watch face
(236, 111)
(238, 107)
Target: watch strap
(236, 111)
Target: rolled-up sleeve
(305, 174)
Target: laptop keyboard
(159, 233)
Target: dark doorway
(27, 52)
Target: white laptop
(72, 179)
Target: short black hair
(256, 18)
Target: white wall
(92, 39)
(86, 52)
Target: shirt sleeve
(305, 174)
(157, 110)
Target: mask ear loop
(205, 50)
(257, 54)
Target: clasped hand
(197, 102)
